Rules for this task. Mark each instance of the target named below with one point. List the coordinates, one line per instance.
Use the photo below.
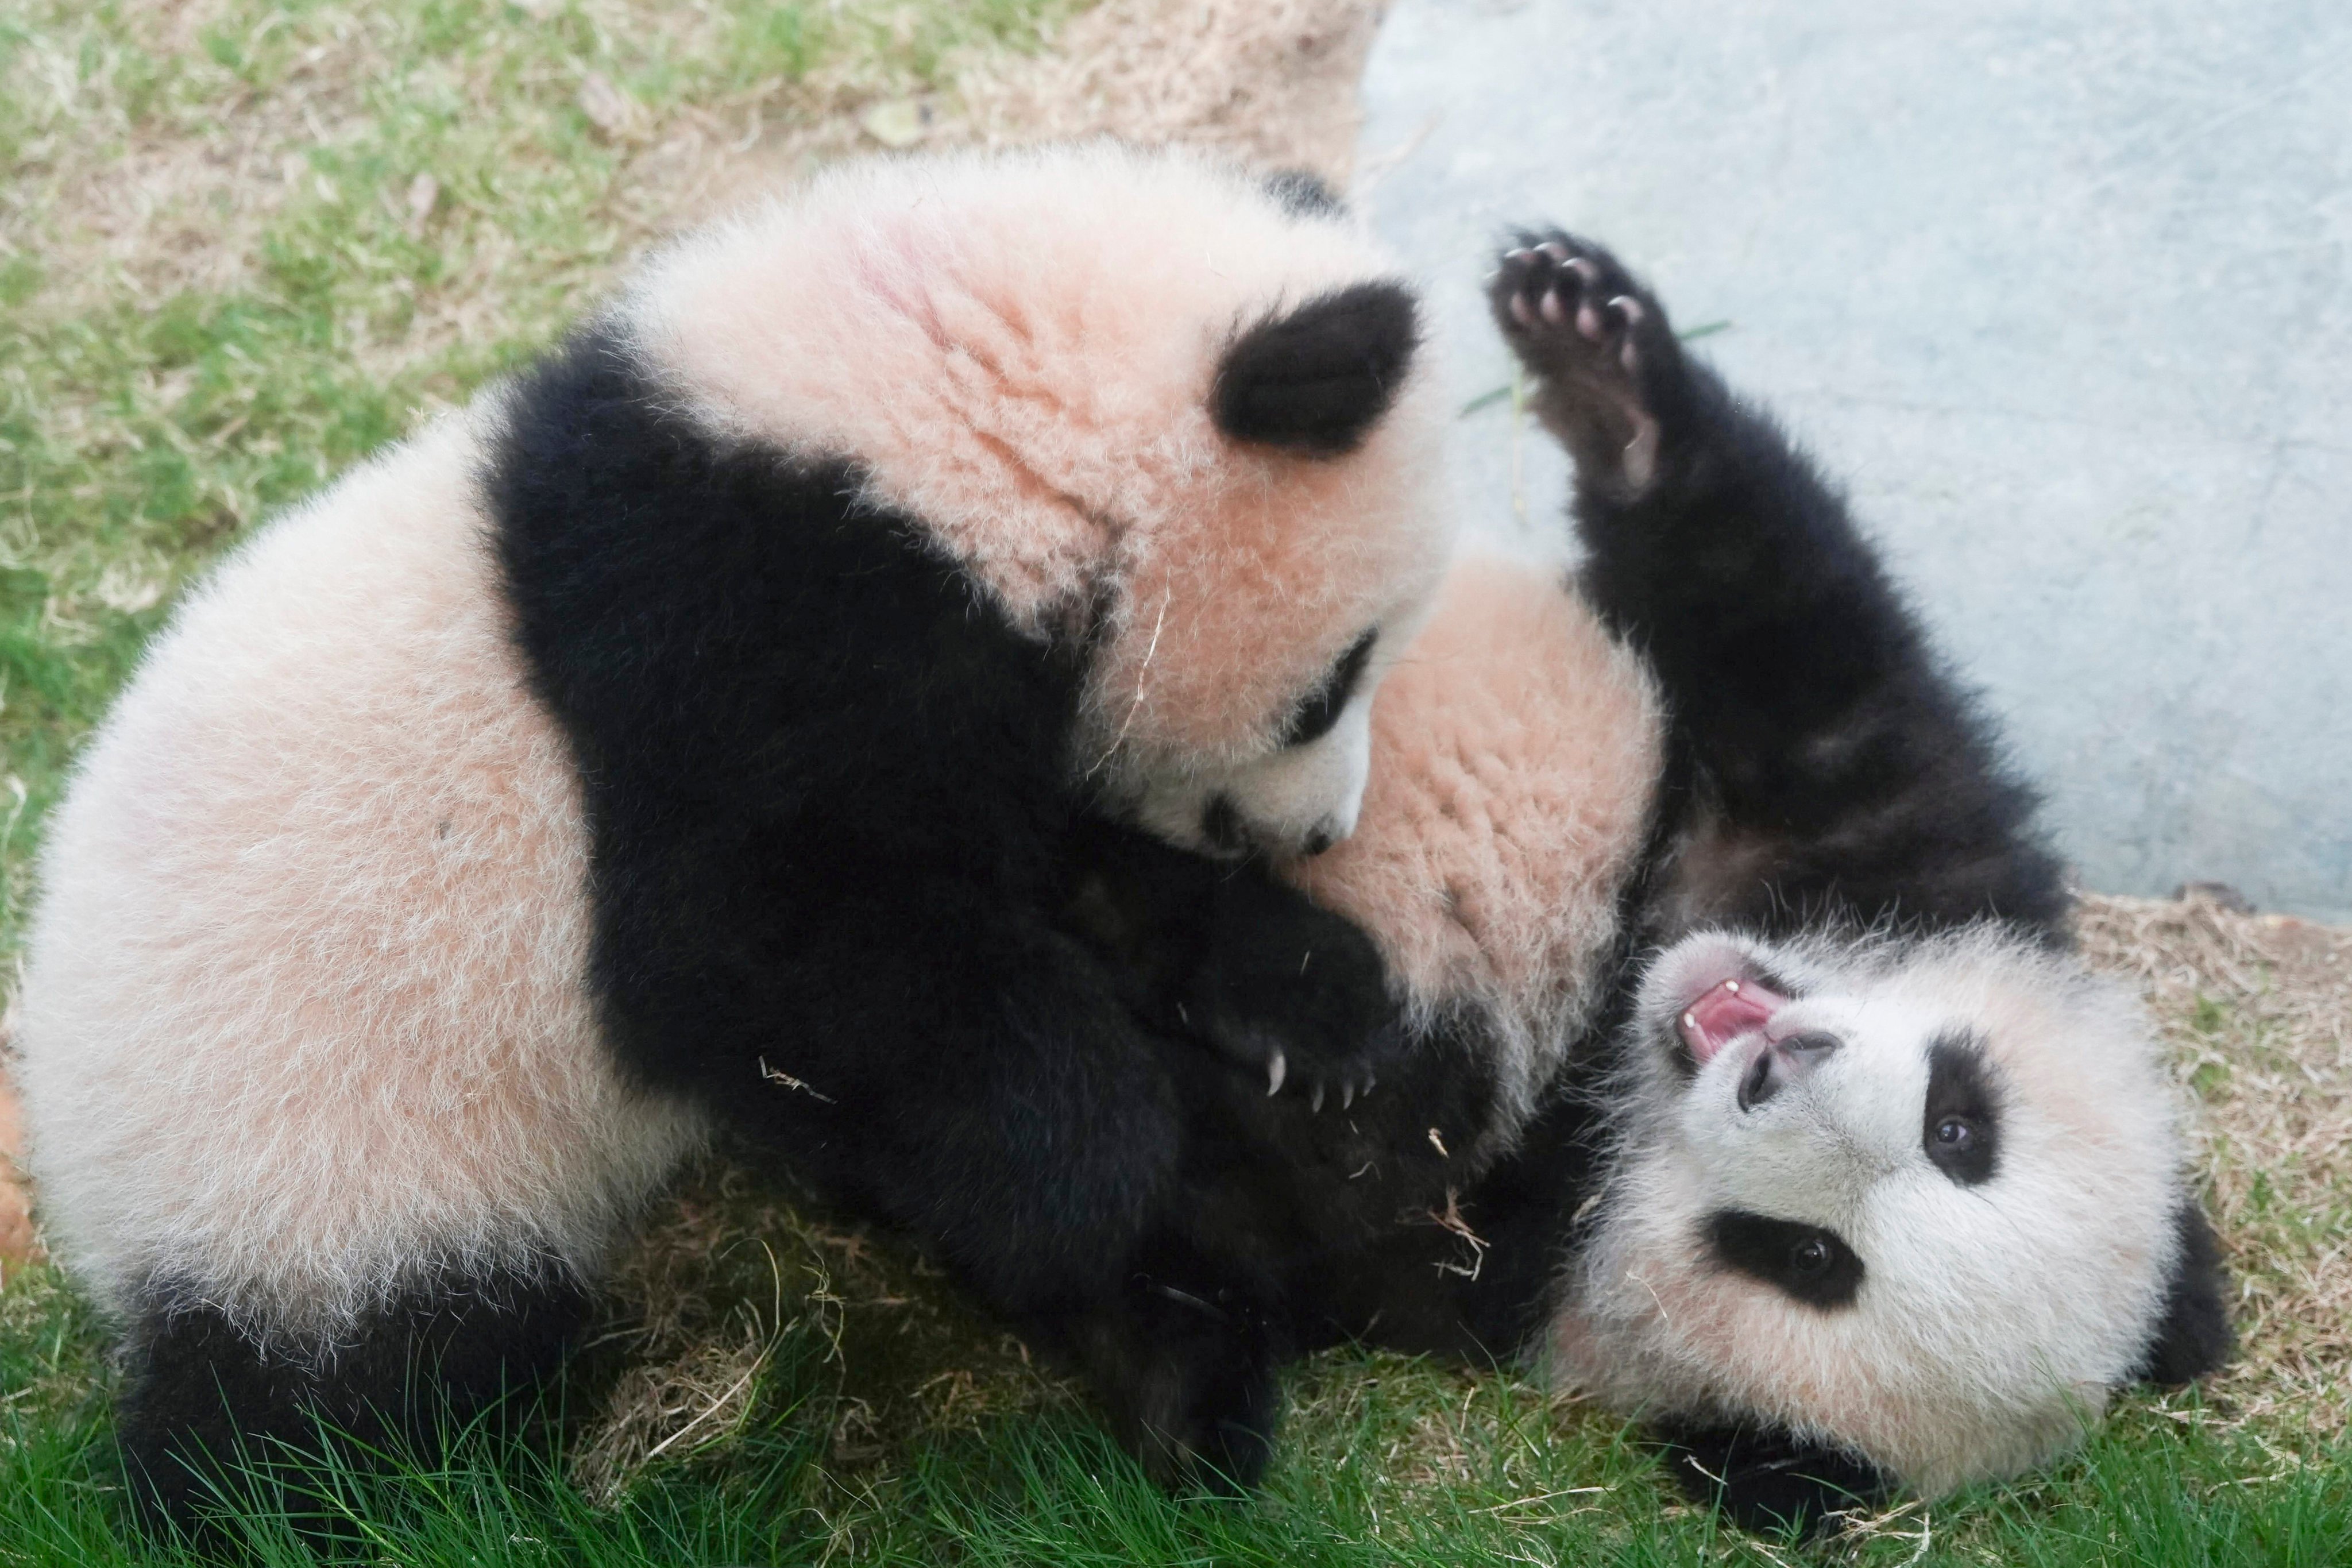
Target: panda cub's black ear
(1317, 378)
(2193, 1337)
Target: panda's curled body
(704, 731)
(1753, 1087)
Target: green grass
(416, 197)
(1388, 1462)
(242, 245)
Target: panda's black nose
(1318, 840)
(1780, 1063)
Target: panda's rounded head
(1918, 1200)
(1169, 414)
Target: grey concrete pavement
(2062, 294)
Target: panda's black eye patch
(1960, 1122)
(1313, 717)
(1810, 1264)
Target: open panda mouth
(1723, 1002)
(1725, 1012)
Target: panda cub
(704, 734)
(1751, 1085)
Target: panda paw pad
(1598, 343)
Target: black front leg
(1821, 759)
(1222, 951)
(1769, 1479)
(964, 1068)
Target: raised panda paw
(1295, 995)
(1605, 361)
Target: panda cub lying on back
(1752, 1087)
(703, 735)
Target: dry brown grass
(2258, 1009)
(733, 1276)
(177, 198)
(178, 195)
(1270, 81)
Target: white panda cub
(1884, 1187)
(1752, 1085)
(701, 733)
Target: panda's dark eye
(1806, 1262)
(1313, 717)
(1960, 1122)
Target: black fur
(1224, 952)
(206, 1415)
(1317, 378)
(1767, 1480)
(1818, 750)
(840, 876)
(2194, 1336)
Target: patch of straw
(2258, 1012)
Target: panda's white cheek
(1779, 1158)
(1349, 767)
(1307, 797)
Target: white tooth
(1273, 1073)
(1732, 986)
(1690, 1020)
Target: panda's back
(315, 920)
(1520, 747)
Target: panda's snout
(1779, 1062)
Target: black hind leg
(1184, 1359)
(1821, 759)
(204, 1407)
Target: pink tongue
(1726, 1012)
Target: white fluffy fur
(1022, 349)
(305, 1016)
(1993, 1318)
